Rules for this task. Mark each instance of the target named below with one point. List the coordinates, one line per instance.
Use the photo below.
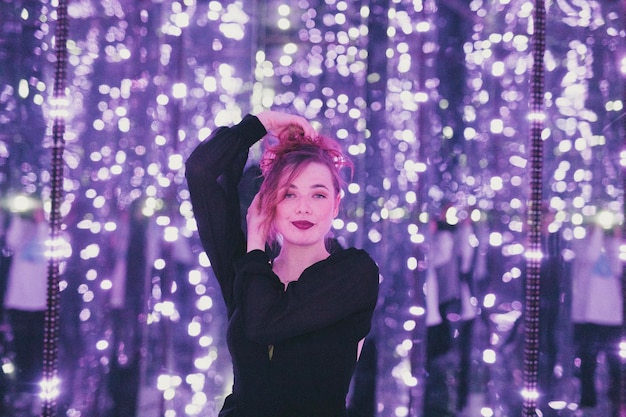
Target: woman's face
(307, 206)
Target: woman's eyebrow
(294, 186)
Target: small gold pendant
(270, 351)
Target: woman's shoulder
(354, 257)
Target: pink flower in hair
(292, 139)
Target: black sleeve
(325, 294)
(213, 171)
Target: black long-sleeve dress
(294, 350)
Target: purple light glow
(431, 104)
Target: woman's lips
(302, 224)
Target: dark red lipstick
(302, 224)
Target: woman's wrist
(255, 244)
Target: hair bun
(291, 139)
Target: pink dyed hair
(292, 152)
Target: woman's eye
(319, 195)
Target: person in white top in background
(450, 314)
(597, 311)
(25, 300)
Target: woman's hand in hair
(257, 226)
(275, 122)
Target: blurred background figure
(597, 314)
(135, 251)
(450, 316)
(552, 315)
(25, 301)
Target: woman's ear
(337, 201)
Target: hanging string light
(622, 347)
(50, 389)
(534, 253)
(120, 86)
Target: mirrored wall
(430, 100)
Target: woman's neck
(293, 260)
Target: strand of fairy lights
(622, 347)
(534, 253)
(50, 384)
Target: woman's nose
(303, 206)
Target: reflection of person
(135, 245)
(295, 321)
(550, 314)
(25, 298)
(450, 315)
(71, 340)
(180, 256)
(597, 311)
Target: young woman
(295, 320)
